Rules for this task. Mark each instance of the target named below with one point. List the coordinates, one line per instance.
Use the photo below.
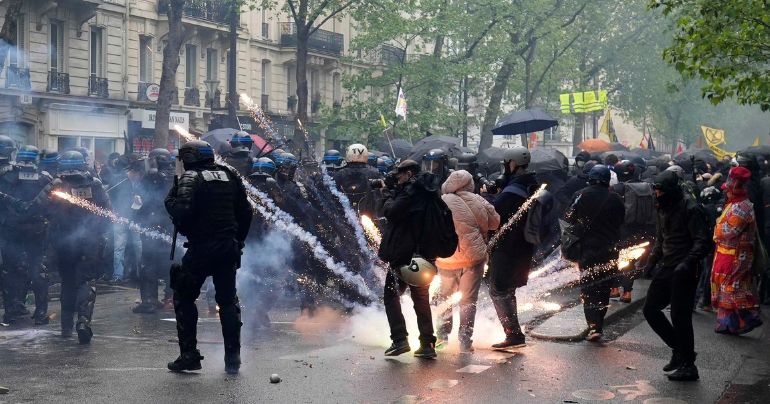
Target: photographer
(405, 201)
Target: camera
(492, 187)
(389, 182)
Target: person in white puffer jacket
(473, 218)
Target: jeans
(394, 288)
(467, 281)
(677, 289)
(123, 238)
(595, 284)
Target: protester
(596, 215)
(681, 242)
(511, 257)
(734, 235)
(404, 204)
(473, 218)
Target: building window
(265, 26)
(16, 55)
(336, 88)
(191, 71)
(291, 81)
(145, 59)
(97, 52)
(265, 77)
(212, 65)
(56, 47)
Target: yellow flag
(714, 137)
(579, 104)
(566, 108)
(591, 103)
(757, 142)
(607, 129)
(383, 122)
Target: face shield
(433, 166)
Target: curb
(574, 314)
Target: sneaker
(674, 363)
(186, 361)
(427, 351)
(144, 308)
(685, 373)
(511, 341)
(41, 319)
(84, 333)
(626, 297)
(594, 336)
(466, 347)
(397, 348)
(232, 363)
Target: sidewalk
(570, 324)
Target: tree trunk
(168, 90)
(232, 80)
(300, 145)
(577, 132)
(8, 32)
(495, 100)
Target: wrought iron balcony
(192, 97)
(321, 40)
(265, 102)
(17, 77)
(216, 11)
(391, 55)
(98, 86)
(58, 82)
(217, 99)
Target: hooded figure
(473, 218)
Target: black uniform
(353, 180)
(599, 214)
(78, 238)
(210, 208)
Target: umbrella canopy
(647, 154)
(762, 150)
(401, 148)
(450, 145)
(595, 145)
(219, 139)
(548, 160)
(489, 159)
(706, 155)
(618, 146)
(527, 121)
(621, 154)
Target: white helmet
(357, 153)
(419, 272)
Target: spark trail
(350, 214)
(515, 218)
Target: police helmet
(419, 272)
(72, 162)
(7, 147)
(384, 164)
(195, 153)
(286, 160)
(519, 155)
(626, 170)
(241, 142)
(332, 159)
(371, 159)
(161, 158)
(263, 166)
(599, 174)
(434, 161)
(357, 153)
(50, 162)
(27, 156)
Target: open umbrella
(527, 121)
(450, 145)
(489, 159)
(595, 145)
(547, 160)
(621, 154)
(400, 147)
(219, 139)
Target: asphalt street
(338, 359)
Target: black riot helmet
(287, 164)
(196, 153)
(626, 171)
(435, 162)
(27, 157)
(467, 162)
(161, 159)
(72, 163)
(49, 162)
(7, 147)
(371, 159)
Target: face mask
(580, 164)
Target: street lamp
(211, 88)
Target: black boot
(186, 361)
(67, 323)
(84, 330)
(674, 363)
(232, 361)
(397, 348)
(687, 372)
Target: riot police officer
(353, 180)
(78, 238)
(49, 162)
(332, 161)
(209, 206)
(436, 163)
(240, 153)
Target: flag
(401, 104)
(679, 146)
(714, 137)
(383, 122)
(757, 142)
(643, 142)
(608, 129)
(650, 143)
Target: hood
(459, 180)
(527, 179)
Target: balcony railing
(98, 86)
(391, 56)
(216, 11)
(58, 82)
(217, 99)
(17, 77)
(192, 97)
(321, 40)
(265, 102)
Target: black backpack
(437, 236)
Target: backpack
(437, 235)
(539, 220)
(639, 203)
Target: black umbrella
(547, 160)
(527, 121)
(219, 139)
(489, 159)
(761, 150)
(450, 145)
(647, 154)
(621, 154)
(706, 155)
(400, 147)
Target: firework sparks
(96, 210)
(550, 306)
(372, 233)
(185, 134)
(627, 255)
(259, 116)
(515, 218)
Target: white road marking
(473, 369)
